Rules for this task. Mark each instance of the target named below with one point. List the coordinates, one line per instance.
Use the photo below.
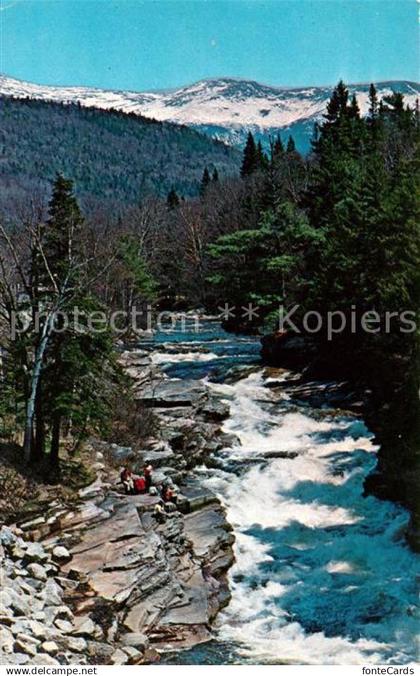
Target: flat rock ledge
(104, 582)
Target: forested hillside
(109, 155)
(334, 235)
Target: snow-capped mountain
(225, 108)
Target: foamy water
(322, 574)
(172, 358)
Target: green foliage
(135, 270)
(110, 156)
(60, 231)
(364, 199)
(266, 265)
(339, 232)
(254, 158)
(63, 373)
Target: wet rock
(215, 409)
(225, 439)
(158, 458)
(174, 393)
(194, 496)
(279, 454)
(287, 350)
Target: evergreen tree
(291, 147)
(60, 232)
(277, 149)
(72, 351)
(250, 157)
(373, 102)
(172, 200)
(262, 162)
(215, 176)
(354, 110)
(205, 181)
(265, 265)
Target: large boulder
(287, 350)
(194, 497)
(171, 393)
(215, 409)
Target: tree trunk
(55, 440)
(34, 382)
(39, 446)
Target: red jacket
(140, 485)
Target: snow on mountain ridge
(223, 107)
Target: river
(322, 574)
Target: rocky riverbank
(105, 582)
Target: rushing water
(322, 574)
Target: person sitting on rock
(147, 472)
(127, 481)
(139, 485)
(159, 514)
(168, 493)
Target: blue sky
(151, 44)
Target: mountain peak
(223, 107)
